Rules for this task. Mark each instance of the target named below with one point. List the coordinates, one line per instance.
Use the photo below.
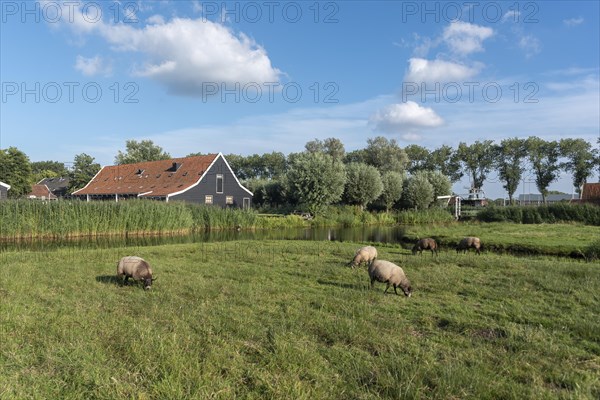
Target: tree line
(382, 174)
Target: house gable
(219, 182)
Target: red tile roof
(150, 178)
(40, 191)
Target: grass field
(288, 320)
(542, 239)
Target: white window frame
(208, 199)
(222, 183)
(228, 200)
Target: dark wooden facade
(221, 184)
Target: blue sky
(255, 77)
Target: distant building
(58, 186)
(199, 179)
(41, 192)
(591, 193)
(4, 188)
(537, 199)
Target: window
(219, 183)
(228, 199)
(208, 199)
(246, 203)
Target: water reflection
(381, 234)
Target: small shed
(591, 193)
(4, 188)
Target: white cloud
(511, 16)
(530, 45)
(156, 19)
(464, 38)
(573, 21)
(184, 54)
(398, 118)
(422, 70)
(93, 66)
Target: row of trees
(369, 174)
(507, 160)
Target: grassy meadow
(288, 320)
(541, 239)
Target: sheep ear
(155, 278)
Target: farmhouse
(4, 188)
(40, 192)
(200, 179)
(57, 186)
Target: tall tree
(363, 184)
(84, 169)
(359, 156)
(57, 167)
(330, 146)
(15, 170)
(440, 183)
(314, 180)
(418, 191)
(274, 164)
(392, 188)
(335, 148)
(477, 159)
(385, 155)
(445, 160)
(418, 158)
(315, 146)
(580, 160)
(543, 157)
(136, 152)
(509, 160)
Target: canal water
(380, 234)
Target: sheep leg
(395, 291)
(387, 287)
(372, 281)
(125, 278)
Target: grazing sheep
(469, 243)
(136, 268)
(425, 244)
(364, 254)
(390, 273)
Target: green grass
(549, 239)
(287, 320)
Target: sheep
(364, 254)
(390, 273)
(468, 243)
(136, 268)
(425, 244)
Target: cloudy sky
(255, 77)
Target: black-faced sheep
(364, 254)
(136, 268)
(425, 244)
(469, 243)
(388, 272)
